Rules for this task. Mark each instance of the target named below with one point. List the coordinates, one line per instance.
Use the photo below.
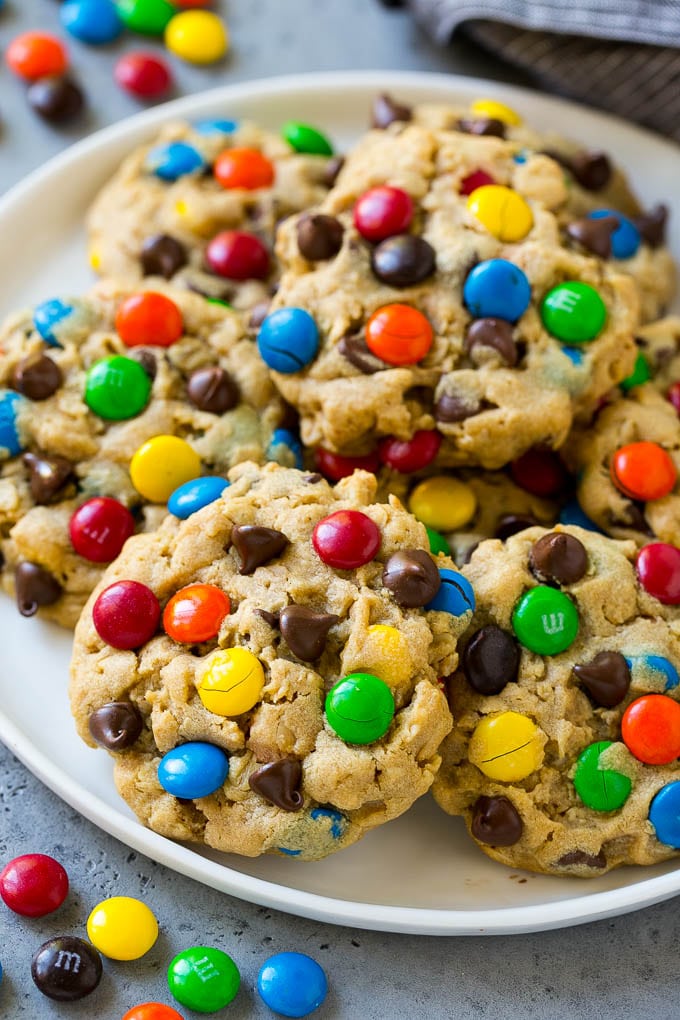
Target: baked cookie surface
(316, 685)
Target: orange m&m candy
(152, 1011)
(643, 471)
(399, 334)
(35, 55)
(244, 168)
(195, 613)
(149, 318)
(651, 729)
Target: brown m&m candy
(162, 255)
(213, 389)
(496, 821)
(66, 968)
(403, 261)
(558, 557)
(115, 725)
(279, 783)
(412, 577)
(56, 99)
(490, 660)
(319, 237)
(37, 377)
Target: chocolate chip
(115, 725)
(595, 235)
(496, 821)
(271, 618)
(652, 225)
(512, 524)
(312, 479)
(259, 314)
(46, 476)
(386, 111)
(333, 168)
(55, 99)
(213, 389)
(146, 359)
(37, 377)
(319, 237)
(592, 170)
(482, 126)
(403, 261)
(581, 859)
(490, 660)
(355, 350)
(634, 518)
(66, 968)
(305, 631)
(412, 577)
(486, 337)
(452, 407)
(34, 587)
(558, 557)
(256, 545)
(279, 783)
(162, 255)
(606, 678)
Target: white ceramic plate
(420, 873)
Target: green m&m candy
(438, 543)
(147, 17)
(600, 789)
(203, 979)
(641, 374)
(545, 620)
(117, 388)
(304, 138)
(360, 708)
(573, 312)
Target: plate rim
(179, 857)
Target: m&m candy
(346, 539)
(232, 682)
(286, 449)
(641, 374)
(305, 138)
(335, 466)
(91, 21)
(399, 334)
(503, 212)
(238, 255)
(599, 788)
(360, 708)
(199, 37)
(99, 529)
(385, 653)
(117, 388)
(147, 17)
(443, 503)
(152, 1011)
(658, 570)
(126, 614)
(497, 289)
(203, 979)
(149, 319)
(495, 110)
(55, 99)
(244, 168)
(382, 212)
(50, 317)
(33, 885)
(11, 406)
(477, 179)
(288, 340)
(455, 595)
(161, 465)
(195, 613)
(545, 620)
(408, 455)
(66, 968)
(195, 494)
(626, 239)
(654, 668)
(193, 770)
(174, 160)
(650, 728)
(216, 126)
(643, 471)
(438, 543)
(403, 260)
(573, 312)
(292, 984)
(507, 747)
(664, 814)
(143, 75)
(540, 471)
(673, 396)
(36, 55)
(122, 928)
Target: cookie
(84, 385)
(412, 309)
(304, 629)
(563, 756)
(627, 464)
(659, 344)
(199, 204)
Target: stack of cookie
(362, 477)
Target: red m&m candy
(36, 55)
(195, 613)
(149, 318)
(658, 570)
(143, 75)
(399, 334)
(126, 614)
(650, 728)
(383, 212)
(346, 539)
(238, 255)
(643, 471)
(33, 885)
(335, 466)
(477, 179)
(99, 529)
(540, 471)
(413, 454)
(244, 168)
(674, 395)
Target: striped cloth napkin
(620, 55)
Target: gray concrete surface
(624, 968)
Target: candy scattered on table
(35, 55)
(33, 885)
(66, 968)
(198, 37)
(143, 75)
(203, 978)
(292, 984)
(96, 22)
(152, 1011)
(122, 928)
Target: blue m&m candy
(174, 160)
(217, 126)
(286, 449)
(625, 239)
(292, 984)
(58, 320)
(91, 21)
(455, 596)
(194, 495)
(664, 814)
(655, 668)
(573, 513)
(11, 442)
(497, 288)
(193, 770)
(288, 340)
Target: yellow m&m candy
(507, 747)
(443, 503)
(161, 465)
(385, 653)
(232, 682)
(494, 110)
(122, 928)
(503, 212)
(199, 37)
